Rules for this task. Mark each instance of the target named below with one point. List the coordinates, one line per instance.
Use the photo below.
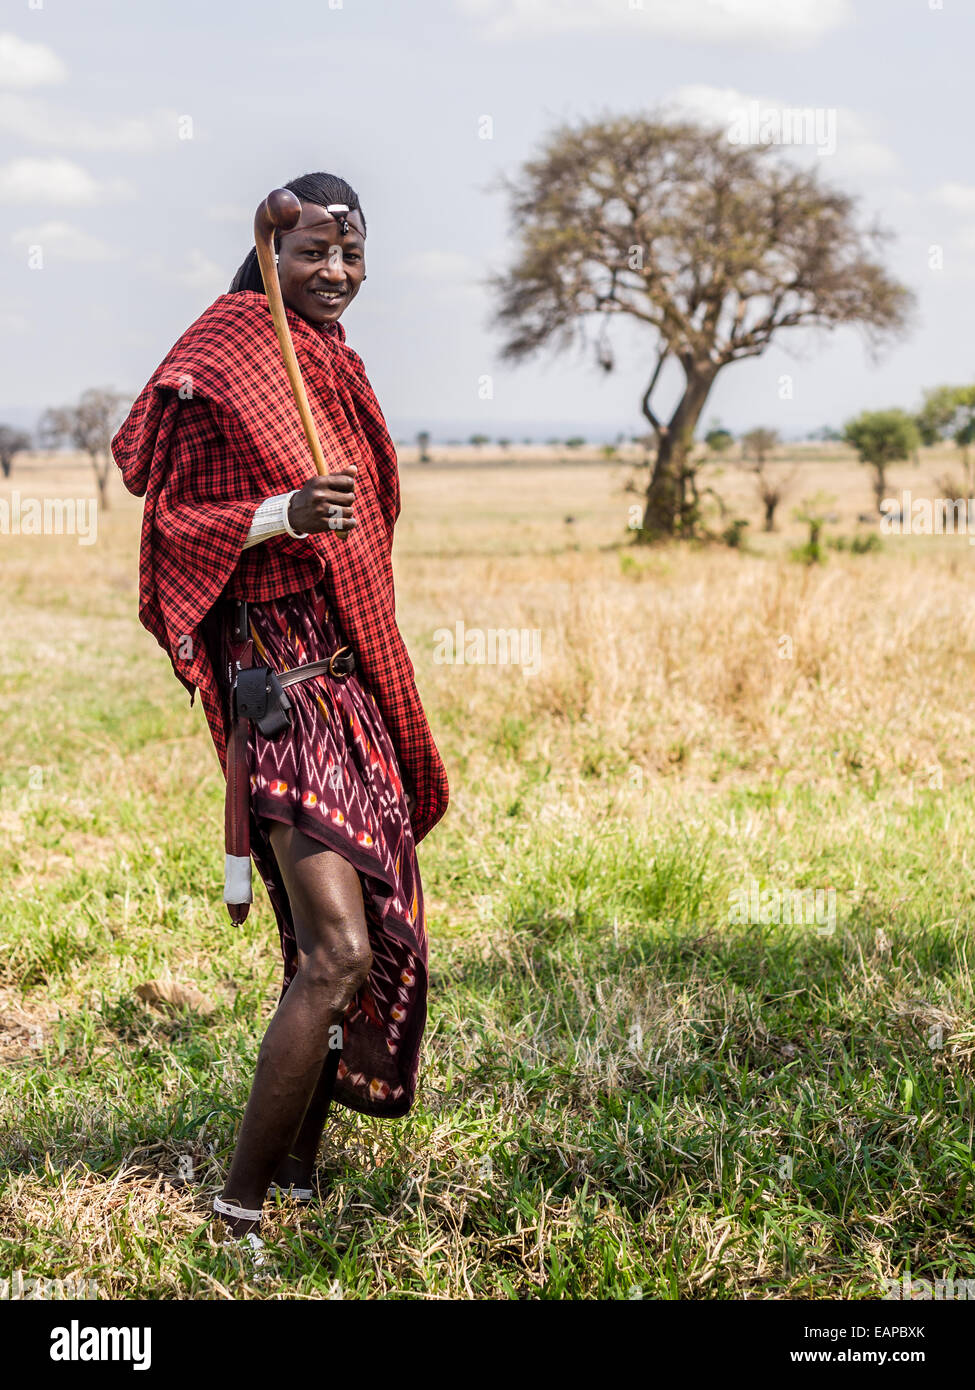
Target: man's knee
(330, 925)
(337, 966)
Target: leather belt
(337, 665)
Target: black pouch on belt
(260, 696)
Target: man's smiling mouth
(329, 296)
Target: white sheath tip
(237, 879)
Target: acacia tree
(12, 441)
(719, 440)
(882, 437)
(948, 412)
(715, 248)
(756, 445)
(90, 426)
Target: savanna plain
(630, 1087)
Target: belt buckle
(336, 675)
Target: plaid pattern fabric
(215, 431)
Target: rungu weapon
(279, 212)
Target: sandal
(251, 1242)
(302, 1195)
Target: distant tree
(88, 426)
(12, 441)
(423, 444)
(772, 491)
(609, 451)
(756, 448)
(719, 440)
(715, 248)
(756, 445)
(948, 412)
(479, 439)
(882, 437)
(575, 441)
(504, 443)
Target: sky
(136, 140)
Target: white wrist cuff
(271, 519)
(298, 535)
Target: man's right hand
(325, 503)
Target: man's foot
(293, 1172)
(240, 1221)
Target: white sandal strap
(300, 1194)
(231, 1209)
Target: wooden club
(280, 211)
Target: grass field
(626, 1091)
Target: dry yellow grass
(686, 669)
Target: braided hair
(321, 189)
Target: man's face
(320, 270)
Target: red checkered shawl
(213, 433)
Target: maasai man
(338, 804)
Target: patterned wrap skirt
(335, 776)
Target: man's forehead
(316, 221)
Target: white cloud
(33, 120)
(720, 21)
(197, 271)
(849, 146)
(55, 181)
(59, 241)
(27, 64)
(958, 196)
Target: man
(338, 803)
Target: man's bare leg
(334, 959)
(298, 1165)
